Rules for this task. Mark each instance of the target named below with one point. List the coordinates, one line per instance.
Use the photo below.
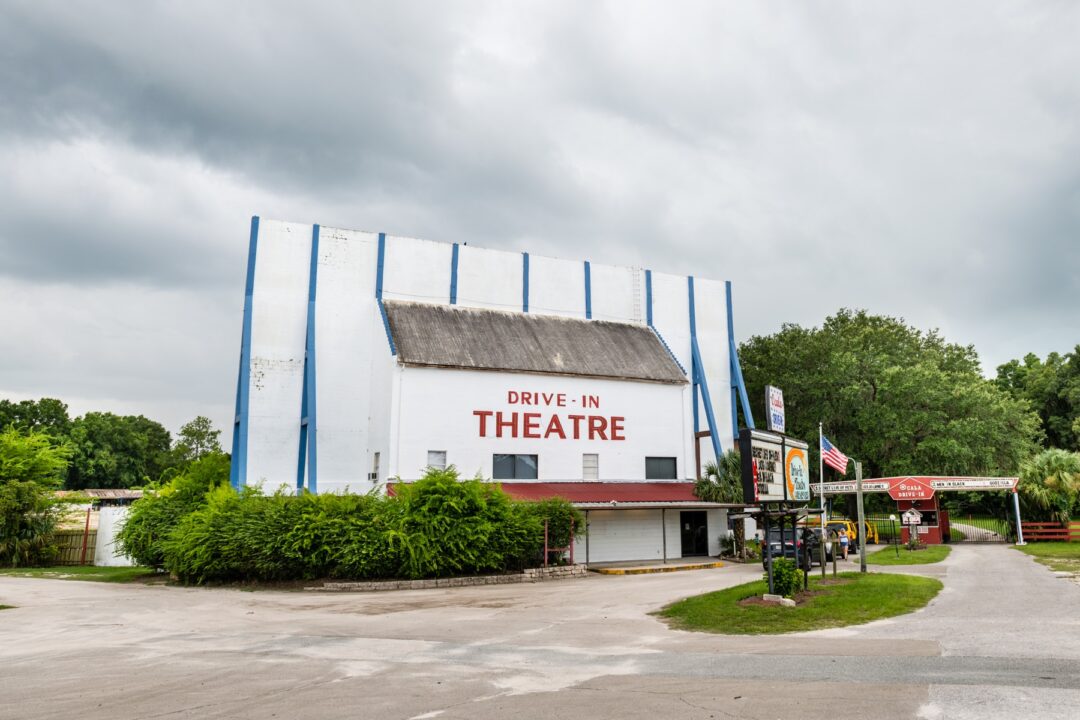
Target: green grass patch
(1061, 556)
(852, 599)
(84, 572)
(929, 554)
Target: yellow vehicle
(834, 525)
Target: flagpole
(821, 476)
(821, 498)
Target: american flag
(832, 455)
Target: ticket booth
(933, 527)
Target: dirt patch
(754, 600)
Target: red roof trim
(603, 492)
(598, 492)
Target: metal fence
(961, 528)
(980, 528)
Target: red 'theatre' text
(537, 426)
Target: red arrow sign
(909, 488)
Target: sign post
(895, 537)
(862, 517)
(1019, 527)
(911, 519)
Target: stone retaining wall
(529, 575)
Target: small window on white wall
(374, 474)
(436, 459)
(590, 466)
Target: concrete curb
(529, 575)
(656, 569)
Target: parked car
(835, 524)
(793, 547)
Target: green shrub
(31, 466)
(153, 516)
(241, 536)
(346, 536)
(448, 526)
(563, 519)
(787, 578)
(436, 527)
(27, 521)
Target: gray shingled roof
(459, 337)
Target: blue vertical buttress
(588, 291)
(308, 407)
(453, 274)
(378, 292)
(701, 382)
(238, 469)
(524, 282)
(737, 384)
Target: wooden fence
(1051, 531)
(71, 544)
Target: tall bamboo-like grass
(436, 527)
(160, 510)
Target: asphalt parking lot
(1002, 640)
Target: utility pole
(862, 516)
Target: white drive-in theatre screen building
(366, 358)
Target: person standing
(843, 543)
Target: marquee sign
(921, 487)
(774, 468)
(762, 456)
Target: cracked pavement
(1002, 640)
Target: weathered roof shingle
(476, 339)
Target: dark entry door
(695, 533)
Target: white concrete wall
(437, 413)
(489, 278)
(357, 413)
(106, 554)
(556, 287)
(618, 293)
(278, 333)
(347, 327)
(416, 270)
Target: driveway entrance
(586, 647)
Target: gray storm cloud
(915, 161)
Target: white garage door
(624, 535)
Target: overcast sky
(915, 159)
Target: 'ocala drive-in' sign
(910, 488)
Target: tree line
(907, 402)
(105, 450)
